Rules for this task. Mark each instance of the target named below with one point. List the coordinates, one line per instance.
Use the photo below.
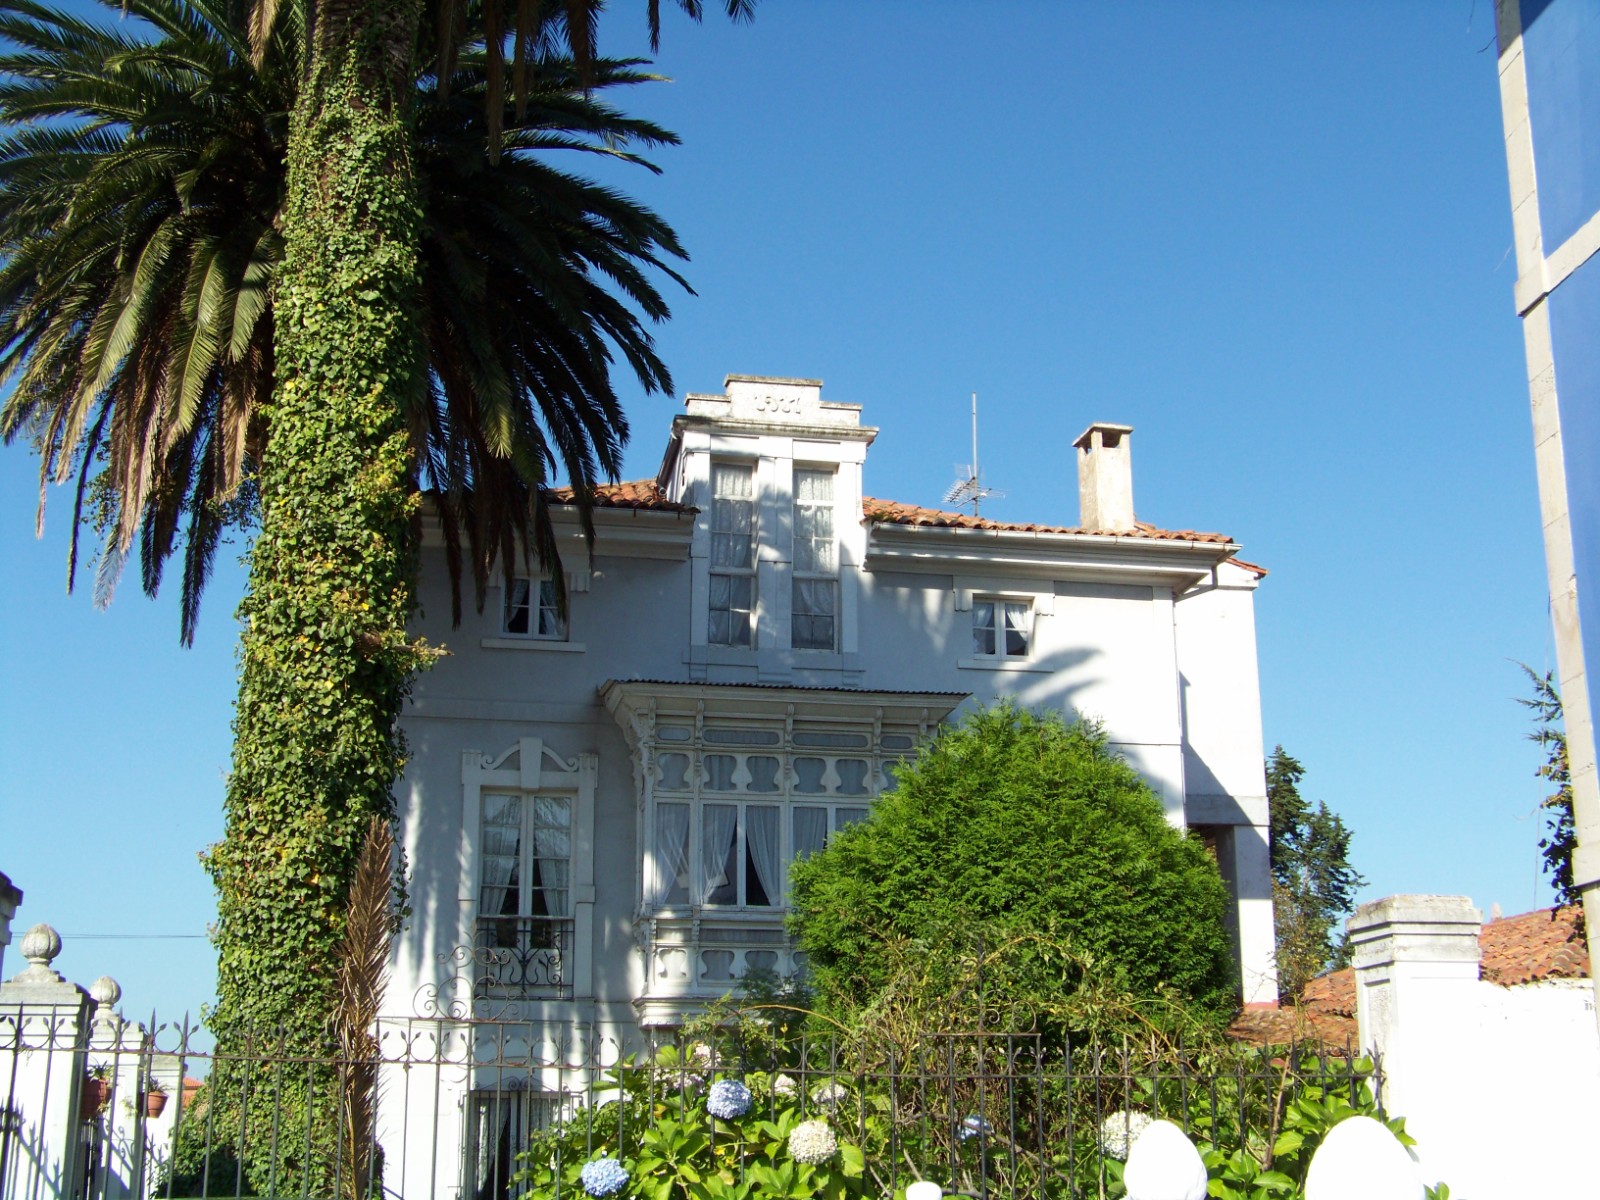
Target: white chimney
(1105, 478)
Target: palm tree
(204, 333)
(142, 189)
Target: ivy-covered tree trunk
(325, 658)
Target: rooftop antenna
(967, 489)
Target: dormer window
(733, 556)
(531, 610)
(815, 592)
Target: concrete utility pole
(1548, 49)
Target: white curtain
(1019, 621)
(502, 847)
(719, 824)
(761, 836)
(552, 847)
(672, 854)
(983, 628)
(810, 830)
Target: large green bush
(1008, 825)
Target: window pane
(810, 829)
(672, 854)
(848, 816)
(1019, 622)
(719, 772)
(852, 777)
(810, 772)
(516, 614)
(551, 623)
(983, 627)
(719, 864)
(763, 773)
(762, 885)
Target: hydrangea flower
(829, 1094)
(728, 1099)
(1120, 1130)
(604, 1177)
(974, 1126)
(785, 1086)
(812, 1142)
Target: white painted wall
(1499, 1085)
(1173, 682)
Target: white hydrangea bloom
(812, 1142)
(785, 1086)
(829, 1094)
(1120, 1130)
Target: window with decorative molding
(1002, 628)
(815, 589)
(531, 610)
(525, 898)
(731, 619)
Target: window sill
(513, 643)
(1002, 664)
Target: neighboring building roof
(640, 493)
(1543, 944)
(895, 513)
(1529, 947)
(1325, 1016)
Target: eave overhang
(1178, 563)
(636, 702)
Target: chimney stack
(1105, 478)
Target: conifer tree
(1313, 883)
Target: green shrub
(1009, 826)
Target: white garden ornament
(1164, 1165)
(1361, 1158)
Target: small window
(1002, 628)
(731, 621)
(531, 610)
(815, 589)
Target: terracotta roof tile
(1543, 944)
(895, 513)
(639, 493)
(1331, 1032)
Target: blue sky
(1274, 238)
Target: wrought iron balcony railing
(516, 957)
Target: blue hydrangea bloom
(728, 1099)
(604, 1177)
(974, 1126)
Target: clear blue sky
(1274, 238)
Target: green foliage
(654, 1121)
(326, 661)
(1267, 1158)
(1561, 835)
(978, 1115)
(143, 193)
(1313, 883)
(1009, 826)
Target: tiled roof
(1333, 1032)
(640, 493)
(895, 513)
(1542, 944)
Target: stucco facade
(600, 807)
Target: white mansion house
(602, 809)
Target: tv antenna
(968, 487)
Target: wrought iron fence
(467, 1109)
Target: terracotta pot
(155, 1103)
(96, 1094)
